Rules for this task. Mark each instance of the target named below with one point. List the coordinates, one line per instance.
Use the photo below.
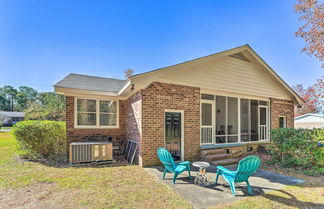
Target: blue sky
(42, 41)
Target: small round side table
(201, 178)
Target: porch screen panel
(206, 123)
(206, 114)
(245, 120)
(221, 119)
(232, 119)
(254, 120)
(263, 132)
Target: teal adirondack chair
(171, 166)
(246, 168)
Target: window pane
(220, 115)
(207, 96)
(206, 117)
(108, 106)
(86, 105)
(245, 120)
(172, 125)
(282, 122)
(232, 116)
(108, 119)
(254, 120)
(220, 139)
(87, 119)
(231, 139)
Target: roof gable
(227, 74)
(12, 114)
(254, 76)
(238, 70)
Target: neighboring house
(229, 100)
(10, 118)
(310, 120)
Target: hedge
(42, 140)
(299, 148)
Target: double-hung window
(96, 113)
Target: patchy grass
(34, 185)
(6, 127)
(301, 196)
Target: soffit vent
(240, 56)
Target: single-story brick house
(229, 100)
(9, 118)
(310, 121)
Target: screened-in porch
(232, 120)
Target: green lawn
(82, 187)
(33, 185)
(5, 127)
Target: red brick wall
(281, 108)
(81, 134)
(141, 118)
(155, 99)
(133, 121)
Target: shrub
(300, 148)
(42, 140)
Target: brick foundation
(236, 151)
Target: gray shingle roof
(12, 114)
(86, 82)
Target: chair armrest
(184, 163)
(225, 170)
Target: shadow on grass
(114, 163)
(291, 201)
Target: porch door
(207, 122)
(263, 122)
(173, 134)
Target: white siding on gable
(227, 74)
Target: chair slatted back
(166, 158)
(247, 167)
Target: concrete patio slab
(205, 196)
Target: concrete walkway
(203, 197)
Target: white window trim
(97, 126)
(285, 120)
